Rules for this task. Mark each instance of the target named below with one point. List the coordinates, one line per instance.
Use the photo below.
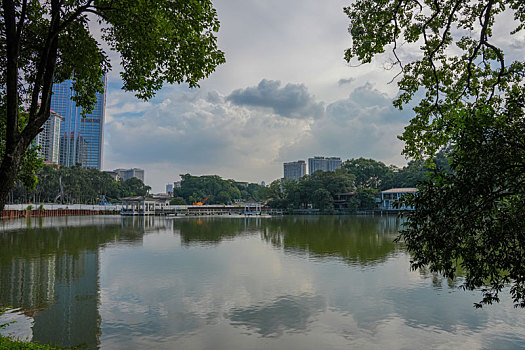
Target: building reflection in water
(49, 272)
(50, 268)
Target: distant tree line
(363, 178)
(218, 191)
(76, 185)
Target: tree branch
(21, 20)
(44, 79)
(12, 51)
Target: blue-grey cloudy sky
(284, 94)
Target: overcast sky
(284, 94)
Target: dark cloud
(291, 101)
(345, 81)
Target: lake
(292, 282)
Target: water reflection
(211, 230)
(223, 283)
(49, 271)
(357, 240)
(284, 314)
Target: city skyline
(81, 138)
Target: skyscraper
(294, 170)
(322, 163)
(82, 139)
(49, 139)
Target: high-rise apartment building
(294, 170)
(129, 173)
(82, 138)
(323, 163)
(49, 139)
(73, 150)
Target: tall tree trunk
(8, 173)
(11, 160)
(18, 142)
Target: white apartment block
(49, 139)
(323, 163)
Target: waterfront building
(389, 197)
(324, 164)
(77, 131)
(49, 139)
(294, 170)
(129, 173)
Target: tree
(471, 216)
(46, 42)
(219, 191)
(317, 190)
(369, 173)
(178, 201)
(133, 187)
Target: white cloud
(199, 132)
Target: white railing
(53, 206)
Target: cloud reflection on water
(284, 314)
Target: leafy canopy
(44, 42)
(471, 101)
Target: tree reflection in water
(355, 239)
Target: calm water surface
(235, 283)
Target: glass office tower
(81, 139)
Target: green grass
(12, 343)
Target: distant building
(294, 170)
(389, 197)
(69, 155)
(177, 184)
(129, 173)
(263, 184)
(323, 163)
(113, 174)
(78, 130)
(49, 139)
(169, 189)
